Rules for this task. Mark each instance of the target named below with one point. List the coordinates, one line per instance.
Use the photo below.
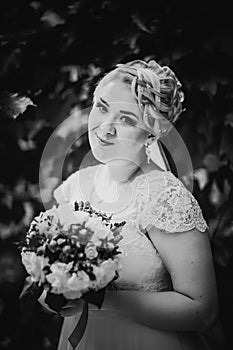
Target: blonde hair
(155, 88)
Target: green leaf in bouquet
(55, 301)
(95, 297)
(30, 289)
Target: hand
(72, 307)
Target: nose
(107, 130)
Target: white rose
(72, 294)
(93, 285)
(34, 265)
(110, 245)
(95, 240)
(102, 232)
(59, 276)
(51, 212)
(90, 251)
(82, 216)
(68, 216)
(105, 273)
(46, 222)
(119, 265)
(110, 234)
(77, 285)
(94, 223)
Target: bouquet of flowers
(71, 252)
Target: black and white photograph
(116, 175)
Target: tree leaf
(210, 87)
(212, 162)
(140, 23)
(229, 119)
(52, 18)
(11, 104)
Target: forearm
(167, 310)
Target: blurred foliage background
(51, 55)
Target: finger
(73, 303)
(66, 312)
(69, 312)
(70, 304)
(70, 308)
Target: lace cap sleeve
(174, 210)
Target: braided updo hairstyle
(155, 88)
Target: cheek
(93, 121)
(137, 137)
(130, 143)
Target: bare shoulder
(187, 257)
(186, 244)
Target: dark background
(53, 52)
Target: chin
(100, 154)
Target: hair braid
(156, 89)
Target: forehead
(116, 92)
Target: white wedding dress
(158, 198)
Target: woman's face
(115, 126)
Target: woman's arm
(192, 305)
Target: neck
(118, 171)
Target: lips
(104, 142)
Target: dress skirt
(107, 330)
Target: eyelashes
(127, 120)
(101, 107)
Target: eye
(101, 107)
(128, 120)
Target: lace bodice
(159, 199)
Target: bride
(166, 296)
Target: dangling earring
(148, 152)
(151, 139)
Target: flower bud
(66, 249)
(91, 251)
(41, 249)
(83, 231)
(61, 241)
(110, 245)
(53, 243)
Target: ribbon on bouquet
(80, 327)
(31, 292)
(93, 297)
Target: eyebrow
(102, 100)
(124, 112)
(129, 113)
